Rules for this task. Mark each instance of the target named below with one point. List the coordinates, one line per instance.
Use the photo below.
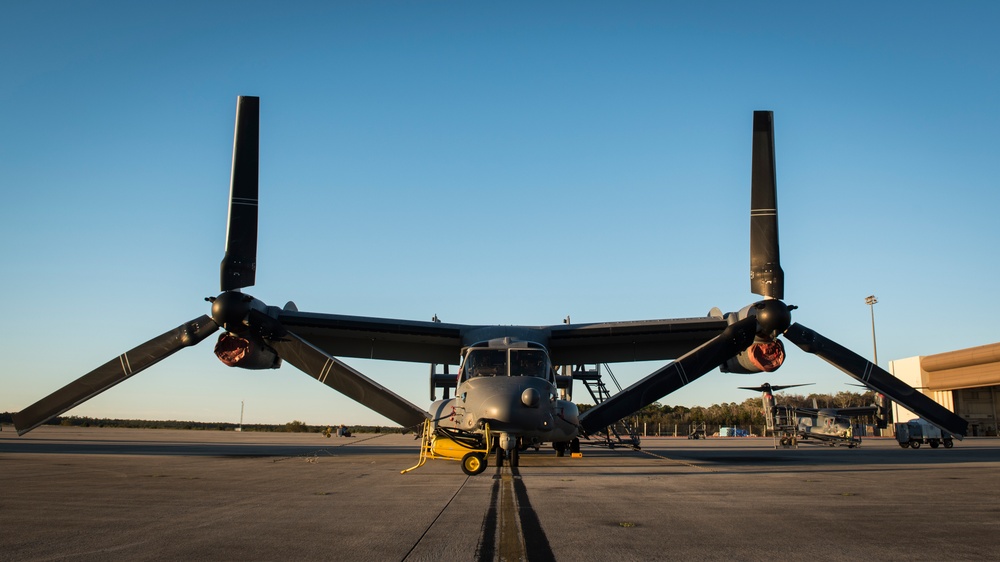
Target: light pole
(870, 300)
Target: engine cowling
(764, 356)
(246, 352)
(767, 353)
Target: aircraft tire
(515, 458)
(473, 463)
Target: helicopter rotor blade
(341, 377)
(773, 388)
(876, 378)
(685, 369)
(113, 372)
(239, 266)
(766, 277)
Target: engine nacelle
(765, 356)
(246, 352)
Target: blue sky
(600, 150)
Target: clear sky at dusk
(508, 163)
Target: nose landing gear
(508, 448)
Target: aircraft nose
(506, 403)
(500, 407)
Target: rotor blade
(773, 388)
(341, 377)
(695, 363)
(766, 277)
(876, 378)
(113, 372)
(239, 266)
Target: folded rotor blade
(339, 376)
(876, 378)
(239, 266)
(766, 277)
(113, 372)
(695, 363)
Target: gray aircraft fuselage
(509, 386)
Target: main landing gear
(562, 446)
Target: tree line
(294, 426)
(746, 414)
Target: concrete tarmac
(99, 494)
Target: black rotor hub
(773, 317)
(232, 309)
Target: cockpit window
(486, 363)
(495, 362)
(528, 363)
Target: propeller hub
(230, 310)
(773, 317)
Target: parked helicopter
(833, 426)
(506, 386)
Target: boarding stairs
(622, 433)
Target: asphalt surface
(99, 494)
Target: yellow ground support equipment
(472, 449)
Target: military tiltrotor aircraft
(506, 390)
(790, 424)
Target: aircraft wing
(377, 338)
(438, 342)
(644, 340)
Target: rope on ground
(440, 513)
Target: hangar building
(966, 381)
